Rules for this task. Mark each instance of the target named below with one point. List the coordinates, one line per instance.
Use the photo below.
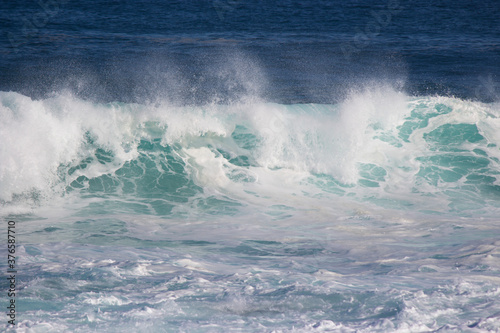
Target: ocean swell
(379, 146)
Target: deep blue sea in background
(251, 166)
(305, 51)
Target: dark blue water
(304, 51)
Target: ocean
(250, 166)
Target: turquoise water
(378, 213)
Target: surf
(379, 146)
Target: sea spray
(378, 145)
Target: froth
(378, 143)
(41, 138)
(329, 139)
(35, 142)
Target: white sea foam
(357, 142)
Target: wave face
(379, 146)
(375, 214)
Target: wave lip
(378, 145)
